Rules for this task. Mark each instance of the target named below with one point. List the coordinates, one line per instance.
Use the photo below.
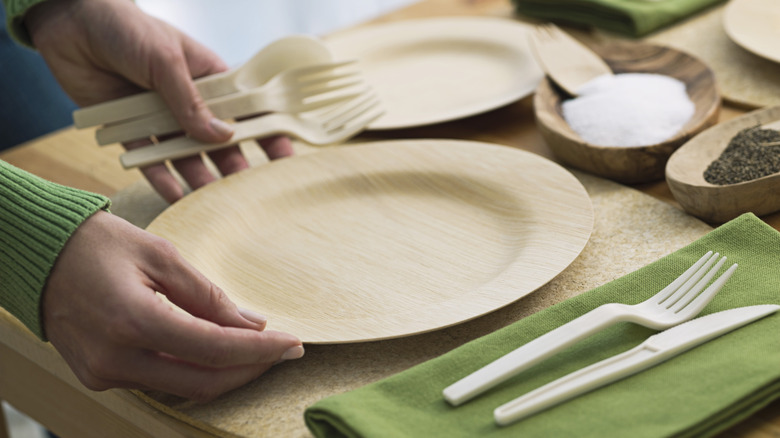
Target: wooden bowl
(629, 164)
(720, 203)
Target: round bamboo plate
(433, 70)
(720, 203)
(753, 25)
(385, 239)
(630, 164)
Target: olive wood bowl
(638, 164)
(720, 203)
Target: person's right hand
(100, 50)
(102, 313)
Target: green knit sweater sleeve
(14, 15)
(36, 219)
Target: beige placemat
(631, 230)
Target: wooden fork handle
(180, 147)
(137, 105)
(243, 103)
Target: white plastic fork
(325, 126)
(291, 91)
(676, 303)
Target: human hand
(101, 50)
(101, 312)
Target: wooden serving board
(631, 229)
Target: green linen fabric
(36, 219)
(699, 393)
(632, 17)
(14, 13)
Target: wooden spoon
(569, 63)
(720, 203)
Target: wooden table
(35, 379)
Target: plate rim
(739, 36)
(454, 24)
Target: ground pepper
(746, 158)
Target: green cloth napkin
(699, 393)
(632, 17)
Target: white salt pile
(629, 109)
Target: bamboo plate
(755, 26)
(720, 203)
(434, 70)
(384, 239)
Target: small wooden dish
(629, 164)
(720, 203)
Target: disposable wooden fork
(255, 72)
(676, 303)
(329, 125)
(292, 91)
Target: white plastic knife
(655, 349)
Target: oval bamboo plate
(755, 26)
(439, 69)
(720, 203)
(630, 164)
(385, 239)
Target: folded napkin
(698, 393)
(633, 17)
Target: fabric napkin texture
(698, 393)
(632, 17)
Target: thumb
(177, 88)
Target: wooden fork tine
(350, 111)
(328, 88)
(323, 79)
(359, 125)
(305, 72)
(315, 104)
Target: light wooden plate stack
(385, 239)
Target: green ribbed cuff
(36, 219)
(14, 15)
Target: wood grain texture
(630, 164)
(383, 240)
(438, 69)
(720, 203)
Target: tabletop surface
(71, 157)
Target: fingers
(190, 290)
(277, 147)
(172, 77)
(206, 344)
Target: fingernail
(252, 316)
(293, 353)
(221, 127)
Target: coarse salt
(629, 109)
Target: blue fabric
(31, 101)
